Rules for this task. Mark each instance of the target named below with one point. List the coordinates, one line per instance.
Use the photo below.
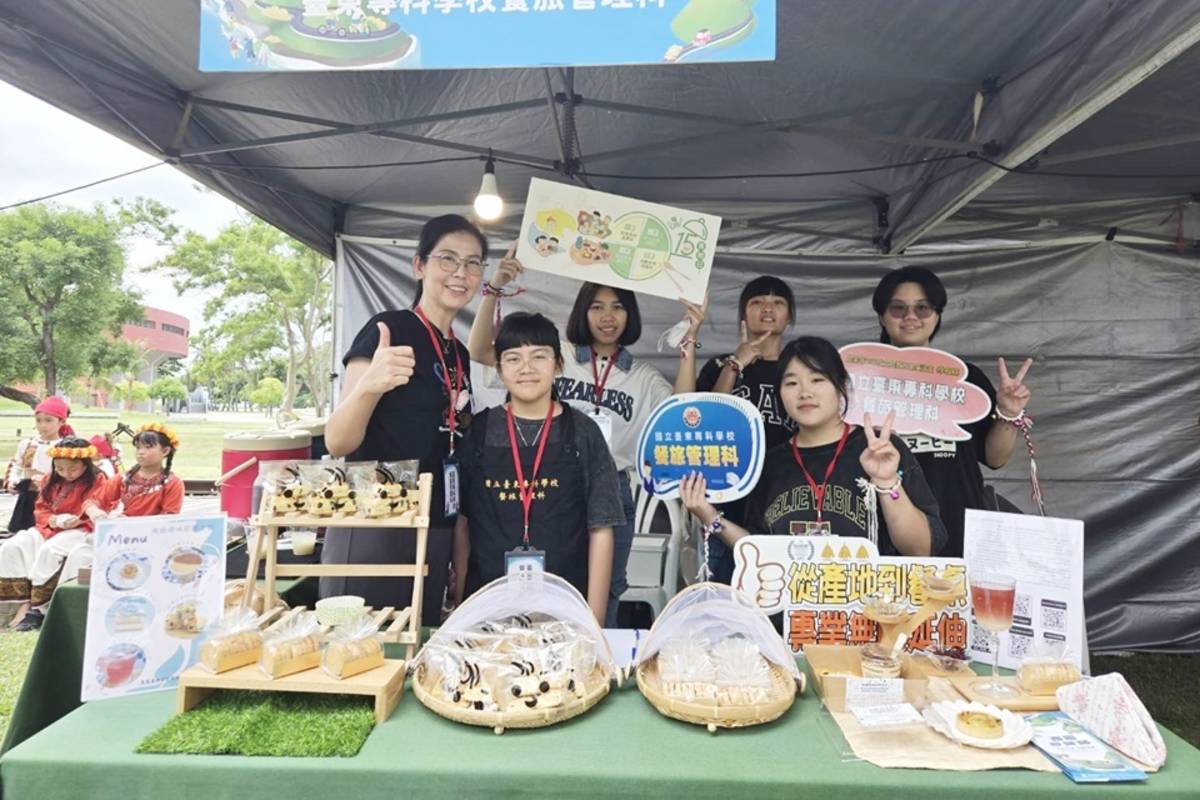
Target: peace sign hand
(750, 350)
(390, 366)
(1012, 395)
(881, 459)
(509, 269)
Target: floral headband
(80, 453)
(158, 427)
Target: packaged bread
(293, 647)
(352, 649)
(236, 642)
(1048, 666)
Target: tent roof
(875, 83)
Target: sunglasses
(899, 310)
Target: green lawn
(199, 456)
(15, 651)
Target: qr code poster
(820, 583)
(1045, 557)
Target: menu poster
(157, 588)
(1045, 557)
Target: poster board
(157, 588)
(717, 435)
(926, 388)
(819, 584)
(1045, 556)
(617, 241)
(286, 35)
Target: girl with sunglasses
(909, 302)
(407, 395)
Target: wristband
(715, 526)
(731, 361)
(892, 491)
(1014, 420)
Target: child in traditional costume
(32, 461)
(32, 560)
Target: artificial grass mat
(267, 724)
(1167, 683)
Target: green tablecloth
(620, 748)
(51, 688)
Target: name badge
(810, 528)
(525, 562)
(603, 422)
(450, 482)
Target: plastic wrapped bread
(291, 648)
(1108, 707)
(236, 642)
(352, 649)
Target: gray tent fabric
(873, 83)
(1114, 332)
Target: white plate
(941, 717)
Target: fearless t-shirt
(782, 500)
(952, 468)
(410, 421)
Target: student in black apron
(538, 479)
(407, 395)
(909, 302)
(830, 477)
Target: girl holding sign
(830, 477)
(406, 395)
(909, 302)
(601, 378)
(538, 480)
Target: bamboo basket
(425, 688)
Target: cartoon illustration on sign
(708, 25)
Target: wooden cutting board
(1022, 703)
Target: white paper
(863, 692)
(157, 589)
(887, 716)
(1045, 556)
(624, 643)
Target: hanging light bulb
(488, 204)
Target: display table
(621, 747)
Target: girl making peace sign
(830, 477)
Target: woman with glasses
(407, 395)
(601, 377)
(909, 302)
(538, 480)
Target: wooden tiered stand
(385, 684)
(891, 626)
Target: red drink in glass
(993, 605)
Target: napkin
(1108, 707)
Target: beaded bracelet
(892, 491)
(499, 294)
(1018, 421)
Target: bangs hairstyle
(155, 438)
(522, 329)
(578, 332)
(435, 229)
(935, 293)
(767, 285)
(821, 357)
(89, 472)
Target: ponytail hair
(150, 437)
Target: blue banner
(717, 435)
(268, 35)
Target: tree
(265, 281)
(61, 275)
(130, 392)
(269, 393)
(168, 389)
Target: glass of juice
(992, 598)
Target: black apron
(557, 518)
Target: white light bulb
(488, 204)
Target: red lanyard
(819, 491)
(600, 381)
(454, 391)
(528, 490)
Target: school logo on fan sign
(691, 417)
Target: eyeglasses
(900, 310)
(541, 359)
(451, 263)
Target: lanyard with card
(453, 393)
(525, 559)
(820, 527)
(598, 415)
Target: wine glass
(992, 597)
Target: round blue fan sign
(717, 435)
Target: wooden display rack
(385, 684)
(405, 627)
(890, 627)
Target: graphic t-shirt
(411, 421)
(783, 500)
(952, 468)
